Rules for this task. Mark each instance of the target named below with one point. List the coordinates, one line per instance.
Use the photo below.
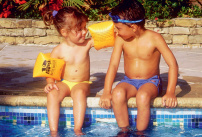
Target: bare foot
(124, 129)
(124, 132)
(54, 134)
(78, 132)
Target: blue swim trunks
(156, 80)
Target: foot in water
(78, 133)
(127, 132)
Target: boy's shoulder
(119, 39)
(152, 35)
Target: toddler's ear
(64, 32)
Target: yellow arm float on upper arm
(45, 66)
(102, 34)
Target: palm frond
(26, 5)
(76, 3)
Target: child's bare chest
(75, 57)
(144, 52)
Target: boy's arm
(169, 99)
(105, 99)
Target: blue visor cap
(116, 19)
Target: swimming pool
(96, 130)
(33, 121)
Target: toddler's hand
(49, 87)
(169, 100)
(105, 101)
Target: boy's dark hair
(66, 18)
(130, 10)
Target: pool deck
(19, 88)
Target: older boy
(142, 50)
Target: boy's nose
(115, 31)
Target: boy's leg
(54, 97)
(79, 94)
(144, 95)
(120, 95)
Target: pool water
(96, 130)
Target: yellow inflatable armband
(45, 66)
(102, 34)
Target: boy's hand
(169, 100)
(105, 101)
(50, 86)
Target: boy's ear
(134, 27)
(64, 32)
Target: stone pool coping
(92, 102)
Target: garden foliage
(97, 9)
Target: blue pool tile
(62, 119)
(197, 116)
(61, 115)
(6, 109)
(194, 120)
(193, 125)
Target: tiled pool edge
(31, 110)
(92, 102)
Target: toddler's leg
(79, 94)
(143, 98)
(120, 96)
(54, 97)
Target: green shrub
(99, 10)
(96, 9)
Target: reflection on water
(97, 130)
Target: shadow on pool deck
(17, 64)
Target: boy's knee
(118, 95)
(143, 97)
